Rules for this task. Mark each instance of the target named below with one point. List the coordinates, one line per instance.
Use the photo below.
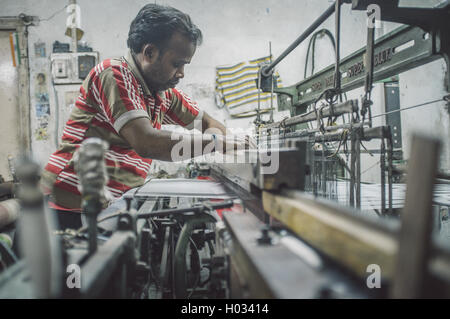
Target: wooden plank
(415, 235)
(352, 244)
(267, 271)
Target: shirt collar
(135, 69)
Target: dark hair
(156, 23)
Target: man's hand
(232, 143)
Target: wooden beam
(415, 234)
(353, 244)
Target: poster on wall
(42, 109)
(41, 92)
(70, 97)
(39, 50)
(41, 133)
(42, 106)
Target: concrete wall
(235, 30)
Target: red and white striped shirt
(113, 94)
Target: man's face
(163, 68)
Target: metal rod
(266, 70)
(172, 257)
(192, 209)
(91, 213)
(271, 86)
(337, 72)
(358, 168)
(308, 132)
(323, 177)
(258, 110)
(339, 109)
(383, 177)
(352, 171)
(390, 158)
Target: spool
(9, 211)
(6, 239)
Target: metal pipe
(266, 70)
(383, 177)
(272, 78)
(91, 169)
(311, 136)
(339, 109)
(352, 171)
(337, 72)
(358, 168)
(390, 158)
(308, 132)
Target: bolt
(265, 238)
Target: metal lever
(39, 248)
(90, 167)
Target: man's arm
(208, 122)
(158, 144)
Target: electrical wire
(54, 14)
(197, 280)
(312, 41)
(409, 107)
(243, 115)
(370, 167)
(342, 140)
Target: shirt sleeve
(182, 111)
(117, 93)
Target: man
(124, 101)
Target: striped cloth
(236, 88)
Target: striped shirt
(113, 94)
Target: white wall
(236, 30)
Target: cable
(55, 13)
(197, 280)
(409, 107)
(370, 153)
(243, 115)
(370, 167)
(342, 140)
(312, 41)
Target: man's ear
(150, 52)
